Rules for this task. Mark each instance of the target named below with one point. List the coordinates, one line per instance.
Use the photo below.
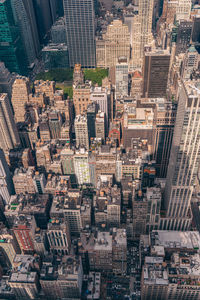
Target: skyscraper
(80, 30)
(6, 183)
(11, 47)
(9, 137)
(20, 96)
(155, 73)
(184, 159)
(121, 79)
(142, 30)
(25, 19)
(81, 131)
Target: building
(11, 50)
(81, 97)
(55, 56)
(164, 118)
(62, 279)
(23, 181)
(39, 182)
(162, 274)
(47, 87)
(9, 137)
(59, 237)
(81, 131)
(155, 73)
(183, 38)
(55, 123)
(100, 126)
(119, 249)
(183, 10)
(20, 97)
(69, 209)
(58, 33)
(190, 63)
(113, 44)
(80, 29)
(91, 117)
(24, 230)
(6, 80)
(81, 166)
(142, 27)
(102, 97)
(6, 183)
(184, 159)
(24, 280)
(25, 20)
(136, 85)
(121, 78)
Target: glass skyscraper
(11, 47)
(80, 30)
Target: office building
(23, 181)
(11, 49)
(59, 237)
(91, 117)
(6, 183)
(142, 32)
(164, 121)
(58, 33)
(190, 62)
(184, 159)
(100, 126)
(47, 87)
(136, 85)
(183, 38)
(81, 131)
(121, 78)
(183, 9)
(81, 97)
(78, 75)
(55, 122)
(9, 137)
(62, 278)
(80, 30)
(6, 80)
(113, 44)
(155, 74)
(81, 166)
(24, 280)
(20, 97)
(25, 20)
(55, 56)
(102, 97)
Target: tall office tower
(78, 75)
(55, 123)
(25, 19)
(113, 44)
(183, 36)
(143, 34)
(155, 73)
(9, 137)
(6, 80)
(53, 9)
(20, 97)
(164, 121)
(6, 183)
(43, 17)
(184, 159)
(91, 116)
(81, 131)
(11, 47)
(136, 85)
(58, 32)
(81, 166)
(121, 78)
(80, 30)
(183, 9)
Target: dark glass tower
(80, 30)
(11, 47)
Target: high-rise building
(100, 126)
(91, 116)
(121, 79)
(81, 97)
(183, 9)
(6, 80)
(184, 159)
(25, 19)
(6, 184)
(114, 43)
(155, 73)
(142, 31)
(11, 47)
(81, 166)
(9, 137)
(43, 17)
(20, 97)
(190, 62)
(80, 30)
(81, 131)
(184, 34)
